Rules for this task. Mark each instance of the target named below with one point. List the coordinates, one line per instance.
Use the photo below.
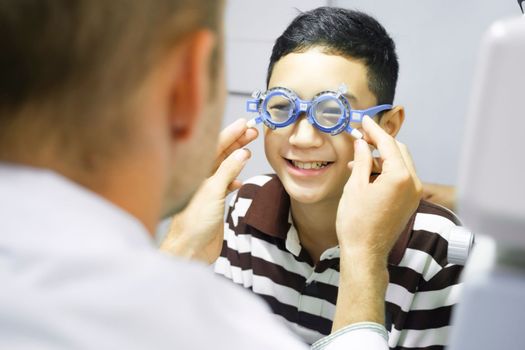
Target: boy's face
(307, 74)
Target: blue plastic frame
(259, 102)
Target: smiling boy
(280, 237)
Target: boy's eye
(336, 112)
(279, 112)
(280, 106)
(328, 113)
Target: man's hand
(372, 213)
(197, 232)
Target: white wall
(437, 44)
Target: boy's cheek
(271, 148)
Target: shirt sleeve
(363, 335)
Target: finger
(231, 133)
(376, 166)
(234, 186)
(407, 158)
(244, 139)
(385, 144)
(229, 169)
(362, 163)
(409, 164)
(377, 161)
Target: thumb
(229, 169)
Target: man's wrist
(363, 262)
(363, 281)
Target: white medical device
(491, 191)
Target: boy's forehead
(313, 71)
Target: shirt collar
(293, 244)
(270, 210)
(270, 213)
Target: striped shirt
(262, 252)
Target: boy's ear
(190, 87)
(392, 120)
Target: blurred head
(112, 92)
(318, 51)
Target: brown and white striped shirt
(262, 252)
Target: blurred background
(437, 43)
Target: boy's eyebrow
(350, 97)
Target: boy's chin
(305, 195)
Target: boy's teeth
(310, 165)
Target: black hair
(348, 33)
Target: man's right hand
(372, 213)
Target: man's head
(105, 92)
(320, 50)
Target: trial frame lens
(279, 107)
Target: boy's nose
(305, 135)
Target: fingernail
(242, 154)
(369, 118)
(251, 123)
(240, 123)
(360, 143)
(356, 134)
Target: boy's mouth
(314, 165)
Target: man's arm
(371, 215)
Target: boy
(280, 237)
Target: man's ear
(190, 88)
(392, 120)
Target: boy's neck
(315, 224)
